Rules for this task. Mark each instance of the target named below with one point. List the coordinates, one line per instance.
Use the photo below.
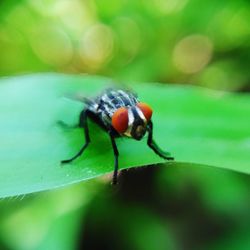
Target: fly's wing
(131, 92)
(90, 103)
(80, 98)
(125, 93)
(131, 95)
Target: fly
(120, 113)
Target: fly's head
(132, 121)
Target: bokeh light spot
(130, 37)
(222, 75)
(170, 6)
(75, 15)
(214, 77)
(192, 53)
(52, 45)
(97, 45)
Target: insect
(120, 113)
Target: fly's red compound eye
(146, 110)
(120, 120)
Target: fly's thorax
(111, 101)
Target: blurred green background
(179, 41)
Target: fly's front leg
(154, 146)
(65, 126)
(116, 154)
(82, 123)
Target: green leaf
(196, 125)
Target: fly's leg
(116, 154)
(84, 125)
(64, 125)
(154, 146)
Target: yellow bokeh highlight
(192, 53)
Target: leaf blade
(194, 124)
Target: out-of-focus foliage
(191, 41)
(171, 208)
(47, 221)
(153, 208)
